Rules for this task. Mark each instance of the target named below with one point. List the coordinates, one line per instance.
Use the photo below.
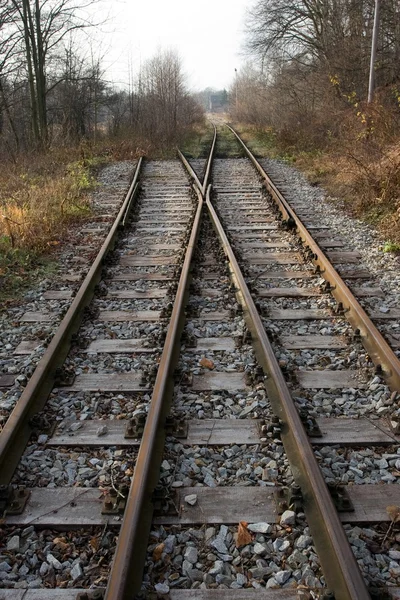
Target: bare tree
(333, 35)
(41, 26)
(76, 96)
(166, 107)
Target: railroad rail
(160, 246)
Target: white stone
(259, 527)
(161, 588)
(52, 560)
(281, 577)
(13, 544)
(288, 518)
(76, 571)
(191, 499)
(303, 541)
(191, 554)
(103, 430)
(259, 548)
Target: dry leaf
(60, 543)
(95, 543)
(394, 513)
(207, 363)
(158, 550)
(244, 537)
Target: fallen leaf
(244, 537)
(394, 513)
(95, 543)
(158, 550)
(60, 543)
(207, 363)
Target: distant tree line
(51, 92)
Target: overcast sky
(208, 35)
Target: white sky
(207, 34)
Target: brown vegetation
(306, 99)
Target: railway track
(223, 376)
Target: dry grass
(360, 165)
(367, 182)
(39, 197)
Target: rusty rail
(127, 571)
(202, 186)
(17, 430)
(379, 350)
(339, 565)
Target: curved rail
(130, 555)
(202, 186)
(17, 430)
(340, 567)
(373, 341)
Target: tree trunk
(41, 78)
(30, 67)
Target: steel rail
(379, 350)
(202, 186)
(209, 163)
(338, 562)
(17, 430)
(127, 569)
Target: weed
(198, 143)
(19, 269)
(37, 205)
(227, 146)
(391, 247)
